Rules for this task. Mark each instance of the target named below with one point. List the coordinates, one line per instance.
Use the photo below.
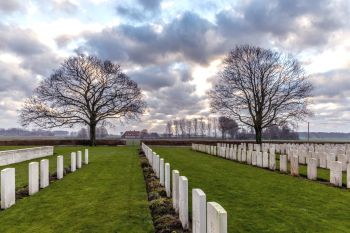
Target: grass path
(258, 200)
(108, 195)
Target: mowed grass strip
(258, 200)
(108, 195)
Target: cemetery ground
(259, 200)
(107, 195)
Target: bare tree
(195, 126)
(209, 126)
(227, 126)
(215, 126)
(202, 126)
(85, 91)
(189, 127)
(169, 128)
(82, 133)
(176, 127)
(260, 87)
(182, 125)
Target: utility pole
(308, 132)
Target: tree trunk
(92, 135)
(258, 134)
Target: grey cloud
(65, 6)
(189, 37)
(150, 4)
(20, 41)
(16, 82)
(334, 83)
(131, 13)
(36, 57)
(9, 6)
(260, 22)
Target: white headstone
(336, 173)
(8, 187)
(59, 167)
(167, 180)
(294, 165)
(348, 176)
(244, 156)
(249, 156)
(157, 165)
(216, 218)
(283, 163)
(199, 210)
(312, 169)
(79, 159)
(33, 182)
(254, 158)
(272, 161)
(183, 202)
(86, 156)
(161, 171)
(175, 191)
(44, 173)
(73, 161)
(239, 154)
(259, 159)
(265, 160)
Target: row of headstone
(207, 217)
(37, 178)
(268, 160)
(241, 154)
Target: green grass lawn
(108, 195)
(258, 200)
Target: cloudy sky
(173, 49)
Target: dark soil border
(165, 219)
(23, 192)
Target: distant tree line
(222, 127)
(24, 132)
(101, 132)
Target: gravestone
(8, 187)
(259, 159)
(216, 218)
(254, 158)
(59, 167)
(265, 160)
(183, 202)
(199, 210)
(86, 156)
(312, 169)
(336, 173)
(79, 159)
(44, 173)
(73, 161)
(283, 163)
(167, 180)
(272, 161)
(33, 182)
(244, 156)
(249, 156)
(294, 165)
(348, 176)
(161, 171)
(175, 190)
